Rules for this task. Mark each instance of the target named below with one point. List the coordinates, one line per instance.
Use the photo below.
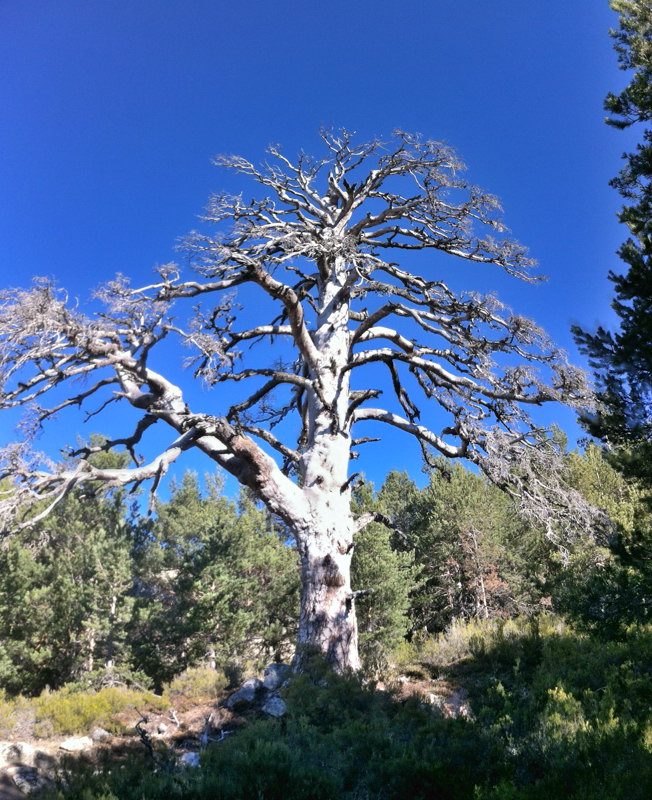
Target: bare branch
(313, 248)
(418, 431)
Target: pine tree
(318, 249)
(64, 602)
(623, 358)
(608, 586)
(382, 576)
(477, 556)
(218, 584)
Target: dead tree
(335, 312)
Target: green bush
(197, 683)
(66, 712)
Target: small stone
(100, 735)
(189, 760)
(161, 728)
(275, 707)
(76, 744)
(245, 695)
(275, 675)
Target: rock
(161, 728)
(245, 695)
(28, 779)
(274, 706)
(100, 735)
(451, 702)
(17, 753)
(76, 744)
(458, 705)
(275, 675)
(219, 718)
(189, 760)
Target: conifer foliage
(623, 358)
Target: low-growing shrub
(555, 714)
(68, 712)
(16, 717)
(197, 683)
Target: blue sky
(112, 110)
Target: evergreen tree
(477, 556)
(218, 584)
(623, 358)
(64, 605)
(608, 586)
(616, 591)
(382, 575)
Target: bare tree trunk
(480, 569)
(328, 627)
(90, 658)
(110, 636)
(327, 622)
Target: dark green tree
(477, 556)
(217, 584)
(607, 586)
(382, 575)
(622, 358)
(64, 604)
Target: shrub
(68, 712)
(557, 714)
(197, 683)
(16, 717)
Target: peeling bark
(327, 622)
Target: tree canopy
(332, 306)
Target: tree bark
(328, 627)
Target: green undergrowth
(555, 714)
(198, 684)
(77, 709)
(73, 711)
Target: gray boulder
(100, 735)
(275, 675)
(76, 744)
(274, 706)
(28, 779)
(17, 753)
(245, 695)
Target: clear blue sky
(112, 109)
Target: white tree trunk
(328, 627)
(327, 622)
